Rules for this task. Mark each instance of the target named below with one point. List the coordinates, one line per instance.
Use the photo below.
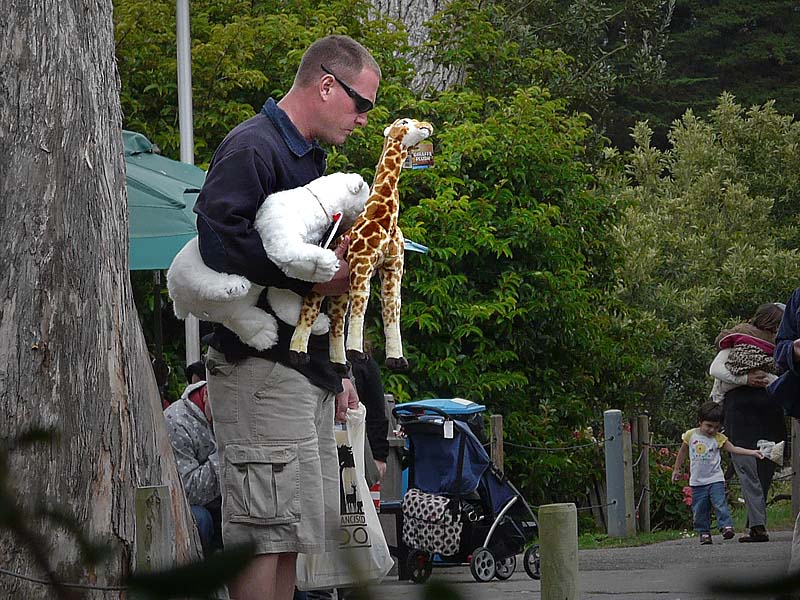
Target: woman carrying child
(703, 444)
(744, 367)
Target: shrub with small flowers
(670, 502)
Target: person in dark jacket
(369, 385)
(273, 421)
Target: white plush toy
(291, 224)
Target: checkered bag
(430, 523)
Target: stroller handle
(420, 410)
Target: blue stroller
(459, 509)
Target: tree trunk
(414, 14)
(72, 354)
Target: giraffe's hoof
(341, 369)
(356, 356)
(298, 359)
(397, 364)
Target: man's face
(342, 116)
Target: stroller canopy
(436, 459)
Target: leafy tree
(514, 305)
(709, 234)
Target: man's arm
(227, 206)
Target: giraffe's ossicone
(376, 243)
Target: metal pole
(615, 473)
(184, 43)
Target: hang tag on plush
(330, 232)
(419, 156)
(448, 430)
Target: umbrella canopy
(161, 195)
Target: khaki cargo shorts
(279, 467)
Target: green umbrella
(161, 195)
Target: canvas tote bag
(362, 555)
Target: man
(274, 422)
(189, 426)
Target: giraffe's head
(408, 132)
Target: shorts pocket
(262, 484)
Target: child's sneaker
(705, 539)
(727, 532)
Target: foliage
(710, 233)
(749, 49)
(242, 53)
(669, 506)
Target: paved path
(674, 570)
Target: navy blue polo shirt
(262, 155)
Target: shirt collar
(299, 145)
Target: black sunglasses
(362, 104)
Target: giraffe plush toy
(376, 243)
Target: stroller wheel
(419, 565)
(482, 565)
(532, 562)
(505, 568)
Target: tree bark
(414, 14)
(72, 354)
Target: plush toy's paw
(326, 266)
(397, 364)
(264, 338)
(355, 184)
(237, 287)
(298, 359)
(224, 288)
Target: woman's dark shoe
(757, 534)
(705, 539)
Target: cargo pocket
(262, 484)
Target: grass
(779, 518)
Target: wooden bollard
(558, 548)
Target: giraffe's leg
(391, 278)
(337, 313)
(298, 347)
(355, 329)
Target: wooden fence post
(558, 538)
(644, 472)
(496, 424)
(155, 533)
(630, 502)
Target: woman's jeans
(703, 497)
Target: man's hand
(340, 284)
(796, 348)
(348, 398)
(757, 378)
